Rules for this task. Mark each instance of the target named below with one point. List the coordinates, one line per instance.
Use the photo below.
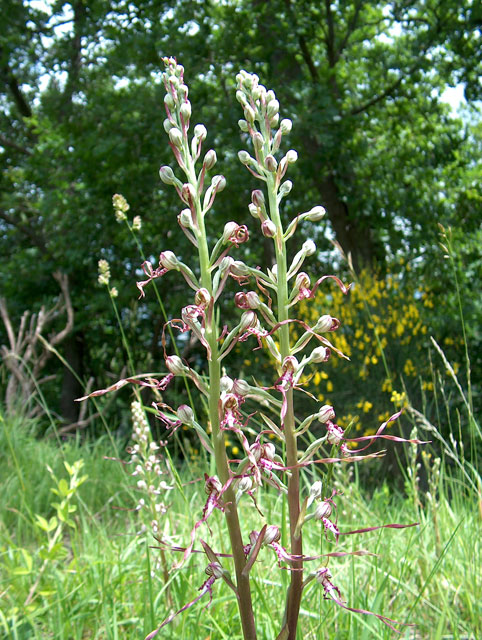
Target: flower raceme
(266, 301)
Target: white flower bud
(248, 320)
(315, 214)
(240, 97)
(273, 122)
(243, 125)
(167, 175)
(218, 183)
(185, 111)
(316, 490)
(226, 384)
(258, 141)
(326, 323)
(272, 108)
(253, 210)
(185, 414)
(285, 188)
(245, 484)
(244, 157)
(210, 159)
(200, 132)
(285, 126)
(202, 297)
(291, 156)
(241, 387)
(169, 101)
(239, 269)
(309, 247)
(326, 413)
(185, 218)
(253, 300)
(175, 365)
(175, 136)
(168, 260)
(320, 354)
(249, 114)
(137, 223)
(229, 229)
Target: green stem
(294, 592)
(222, 467)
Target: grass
(98, 584)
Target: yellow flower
(329, 386)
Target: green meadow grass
(98, 583)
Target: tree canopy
(82, 114)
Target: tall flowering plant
(267, 303)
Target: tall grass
(100, 586)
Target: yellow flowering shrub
(384, 332)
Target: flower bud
(241, 387)
(210, 160)
(240, 97)
(168, 260)
(226, 263)
(202, 297)
(323, 510)
(257, 196)
(167, 175)
(185, 414)
(285, 126)
(253, 300)
(239, 269)
(309, 247)
(137, 223)
(291, 156)
(175, 366)
(226, 384)
(272, 108)
(285, 188)
(326, 413)
(249, 114)
(175, 136)
(269, 451)
(268, 229)
(229, 230)
(218, 183)
(273, 122)
(326, 323)
(254, 210)
(185, 111)
(243, 125)
(248, 320)
(320, 354)
(315, 214)
(200, 132)
(214, 569)
(270, 95)
(188, 193)
(270, 163)
(169, 101)
(183, 91)
(316, 490)
(244, 157)
(272, 534)
(185, 218)
(258, 141)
